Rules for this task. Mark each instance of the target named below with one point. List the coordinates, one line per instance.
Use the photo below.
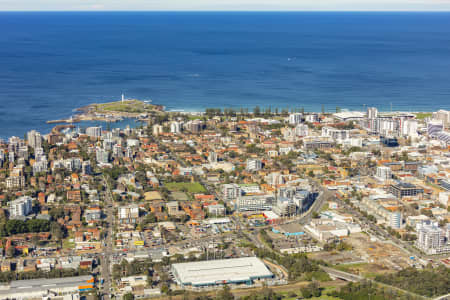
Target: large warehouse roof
(35, 288)
(220, 271)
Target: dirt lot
(335, 257)
(380, 256)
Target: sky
(220, 5)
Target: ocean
(54, 62)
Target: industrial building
(224, 271)
(40, 288)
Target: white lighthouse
(123, 97)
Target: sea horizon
(243, 11)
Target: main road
(108, 243)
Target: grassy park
(191, 187)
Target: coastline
(84, 116)
(102, 113)
(121, 119)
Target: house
(128, 214)
(94, 233)
(172, 208)
(26, 266)
(41, 198)
(6, 266)
(86, 264)
(79, 237)
(74, 196)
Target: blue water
(51, 63)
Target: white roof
(219, 271)
(218, 221)
(271, 215)
(349, 115)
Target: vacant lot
(191, 187)
(368, 270)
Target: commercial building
(389, 141)
(302, 197)
(403, 189)
(128, 214)
(255, 203)
(217, 209)
(349, 116)
(335, 134)
(217, 272)
(285, 207)
(43, 288)
(313, 143)
(327, 230)
(230, 191)
(385, 208)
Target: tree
(128, 296)
(428, 282)
(36, 225)
(267, 293)
(10, 251)
(35, 239)
(165, 288)
(426, 212)
(225, 294)
(256, 111)
(311, 290)
(56, 213)
(56, 231)
(16, 226)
